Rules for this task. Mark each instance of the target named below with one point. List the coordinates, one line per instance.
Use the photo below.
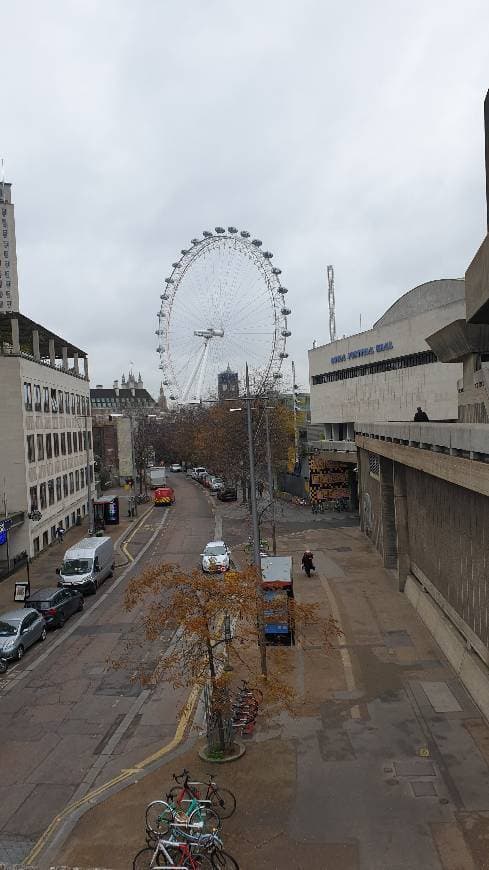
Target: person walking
(421, 416)
(60, 533)
(308, 562)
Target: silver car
(19, 629)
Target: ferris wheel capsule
(286, 333)
(169, 281)
(195, 241)
(277, 375)
(232, 230)
(283, 355)
(267, 254)
(207, 234)
(244, 234)
(220, 230)
(282, 290)
(285, 311)
(257, 243)
(184, 251)
(175, 265)
(276, 271)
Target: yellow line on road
(124, 775)
(135, 529)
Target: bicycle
(221, 800)
(244, 692)
(174, 854)
(161, 815)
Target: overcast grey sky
(344, 133)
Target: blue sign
(362, 351)
(4, 527)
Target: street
(63, 704)
(384, 767)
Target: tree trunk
(218, 712)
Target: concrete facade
(46, 425)
(386, 372)
(9, 283)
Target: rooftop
(26, 328)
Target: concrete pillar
(389, 544)
(75, 363)
(35, 344)
(52, 352)
(85, 366)
(64, 351)
(14, 326)
(402, 525)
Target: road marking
(344, 653)
(85, 615)
(122, 776)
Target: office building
(9, 284)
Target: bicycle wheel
(206, 818)
(203, 862)
(223, 861)
(143, 860)
(174, 793)
(223, 802)
(159, 815)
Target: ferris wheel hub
(209, 333)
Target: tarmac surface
(384, 765)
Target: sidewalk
(385, 764)
(42, 570)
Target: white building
(384, 373)
(46, 436)
(9, 285)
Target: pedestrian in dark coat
(421, 416)
(308, 562)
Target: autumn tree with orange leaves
(194, 605)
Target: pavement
(384, 764)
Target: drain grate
(415, 767)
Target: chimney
(99, 386)
(115, 387)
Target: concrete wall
(447, 540)
(390, 395)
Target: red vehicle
(164, 495)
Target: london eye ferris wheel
(223, 304)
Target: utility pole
(296, 431)
(256, 534)
(270, 480)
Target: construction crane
(331, 302)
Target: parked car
(56, 605)
(200, 473)
(87, 564)
(227, 493)
(216, 484)
(215, 558)
(176, 467)
(165, 495)
(19, 629)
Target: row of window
(115, 403)
(45, 535)
(53, 401)
(374, 368)
(46, 494)
(56, 444)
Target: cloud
(338, 133)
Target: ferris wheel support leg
(193, 375)
(202, 371)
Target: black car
(56, 605)
(227, 493)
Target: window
(60, 402)
(72, 403)
(56, 443)
(80, 441)
(45, 540)
(58, 489)
(53, 534)
(386, 365)
(49, 446)
(85, 441)
(67, 403)
(33, 498)
(68, 442)
(36, 546)
(78, 404)
(73, 518)
(31, 450)
(27, 397)
(40, 448)
(54, 401)
(63, 444)
(90, 440)
(75, 443)
(42, 496)
(82, 478)
(51, 492)
(65, 485)
(77, 480)
(72, 483)
(84, 510)
(37, 397)
(83, 405)
(91, 474)
(45, 400)
(67, 522)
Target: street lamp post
(270, 480)
(88, 477)
(256, 535)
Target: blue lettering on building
(362, 351)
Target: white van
(87, 564)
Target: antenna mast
(331, 302)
